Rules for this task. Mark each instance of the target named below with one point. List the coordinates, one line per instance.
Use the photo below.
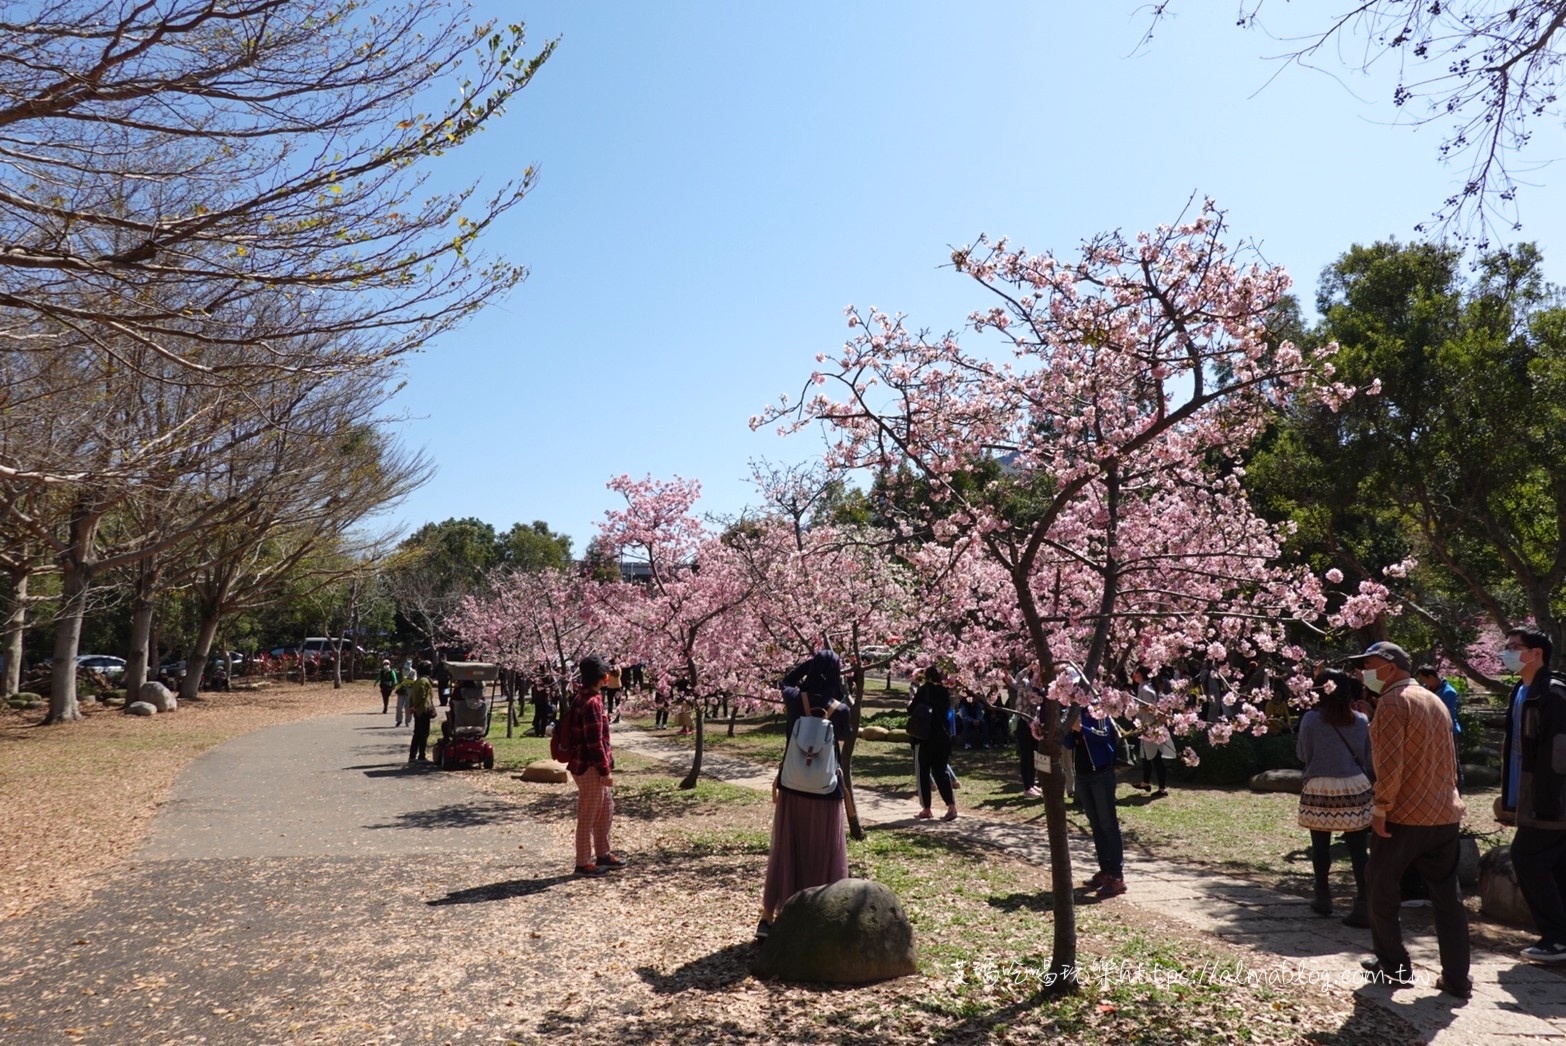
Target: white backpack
(810, 762)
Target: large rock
(1278, 781)
(546, 771)
(1480, 776)
(881, 733)
(157, 695)
(1499, 896)
(141, 708)
(853, 931)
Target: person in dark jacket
(1096, 739)
(818, 682)
(1533, 790)
(932, 752)
(386, 678)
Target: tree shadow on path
(455, 815)
(501, 891)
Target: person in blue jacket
(1433, 681)
(1096, 740)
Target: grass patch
(726, 842)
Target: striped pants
(594, 814)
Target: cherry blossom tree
(694, 618)
(527, 617)
(822, 581)
(1114, 392)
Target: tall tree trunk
(857, 696)
(196, 663)
(15, 626)
(1064, 959)
(76, 569)
(140, 664)
(353, 628)
(67, 643)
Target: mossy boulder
(1235, 762)
(1278, 781)
(853, 931)
(157, 695)
(1499, 895)
(1475, 776)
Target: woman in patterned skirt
(1334, 744)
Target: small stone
(546, 771)
(141, 708)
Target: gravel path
(291, 889)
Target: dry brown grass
(79, 796)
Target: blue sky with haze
(718, 181)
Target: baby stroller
(463, 730)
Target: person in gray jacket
(1334, 744)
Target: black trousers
(421, 737)
(1431, 850)
(1539, 858)
(930, 758)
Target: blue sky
(718, 181)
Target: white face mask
(1372, 680)
(1513, 660)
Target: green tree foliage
(440, 563)
(534, 547)
(1457, 461)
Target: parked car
(110, 667)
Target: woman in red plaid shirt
(592, 768)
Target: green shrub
(1238, 760)
(892, 719)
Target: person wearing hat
(387, 678)
(1414, 819)
(592, 768)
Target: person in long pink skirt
(808, 846)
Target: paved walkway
(289, 891)
(1514, 1002)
